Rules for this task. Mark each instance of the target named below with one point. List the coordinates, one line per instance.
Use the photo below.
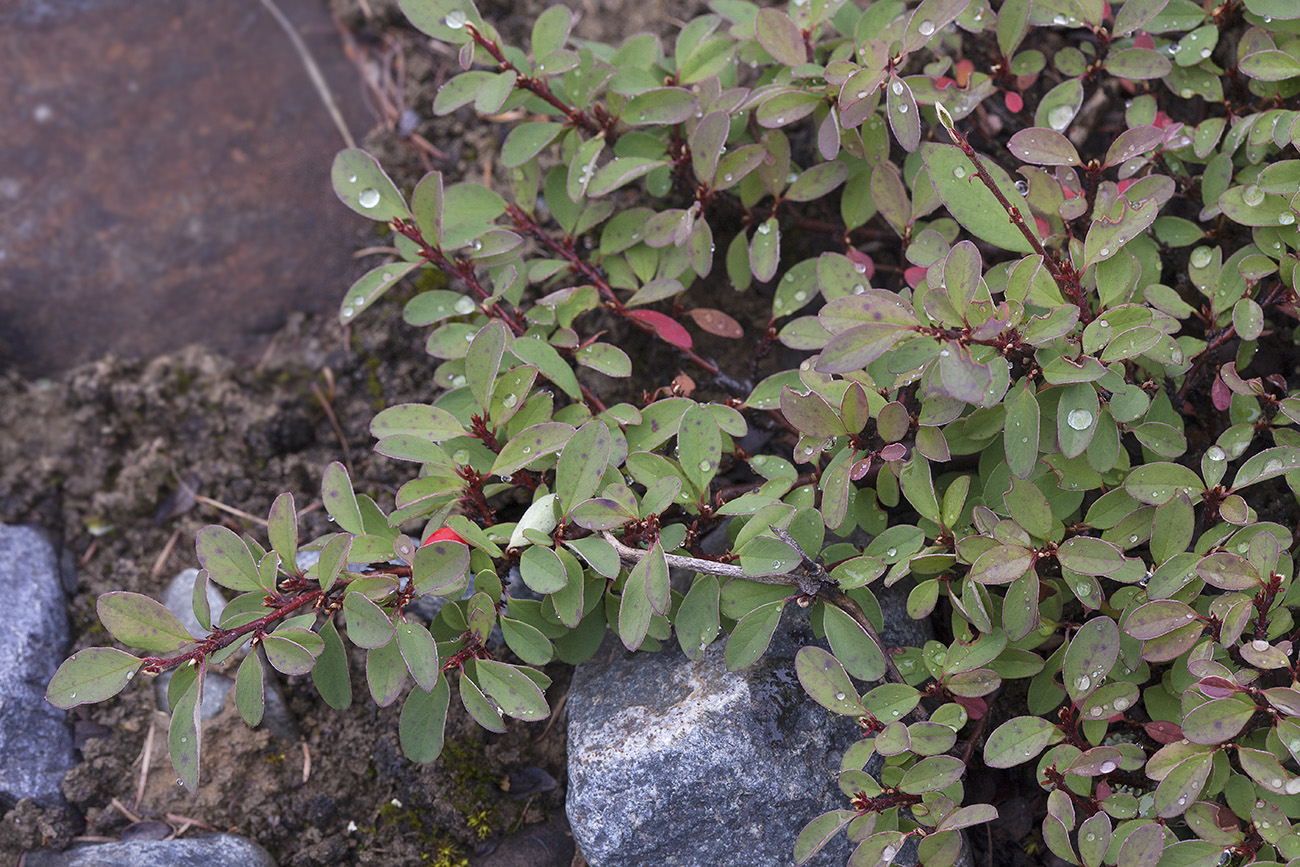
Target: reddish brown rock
(164, 177)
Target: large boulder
(681, 763)
(35, 740)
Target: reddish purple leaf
(665, 326)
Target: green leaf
(340, 501)
(1157, 484)
(426, 206)
(548, 362)
(483, 360)
(904, 118)
(824, 678)
(1044, 147)
(423, 719)
(527, 642)
(1019, 740)
(1270, 65)
(582, 464)
(1090, 656)
(91, 675)
(1217, 721)
(810, 414)
(856, 651)
(699, 446)
(282, 528)
(140, 622)
(1268, 464)
(330, 674)
(765, 555)
(1021, 432)
(185, 734)
(484, 712)
(752, 634)
(385, 673)
(1089, 556)
(619, 172)
(416, 419)
(635, 610)
(363, 186)
(1002, 565)
(542, 570)
(370, 287)
(780, 37)
(529, 444)
(226, 559)
(419, 651)
(288, 656)
(932, 774)
(551, 30)
(1228, 571)
(820, 831)
(765, 250)
(526, 141)
(660, 106)
(368, 625)
(970, 202)
(250, 697)
(513, 691)
(697, 621)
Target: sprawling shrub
(1031, 279)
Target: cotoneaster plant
(1032, 276)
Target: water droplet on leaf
(368, 198)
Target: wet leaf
(423, 719)
(363, 186)
(824, 679)
(970, 202)
(138, 621)
(1043, 147)
(780, 37)
(92, 675)
(1018, 740)
(512, 690)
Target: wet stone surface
(216, 850)
(679, 763)
(164, 178)
(35, 738)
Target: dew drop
(1108, 766)
(801, 296)
(860, 268)
(839, 696)
(1186, 93)
(1105, 251)
(1022, 187)
(1121, 704)
(1205, 53)
(1082, 590)
(764, 229)
(510, 400)
(527, 449)
(1096, 711)
(727, 178)
(780, 120)
(1277, 784)
(902, 108)
(888, 854)
(347, 312)
(1272, 466)
(1132, 540)
(455, 19)
(1286, 218)
(465, 305)
(959, 173)
(1079, 419)
(1059, 118)
(1259, 645)
(897, 88)
(352, 179)
(862, 94)
(943, 353)
(926, 27)
(1083, 683)
(1201, 257)
(1176, 355)
(457, 381)
(72, 695)
(1252, 195)
(704, 465)
(891, 552)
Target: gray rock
(216, 850)
(35, 739)
(179, 599)
(680, 763)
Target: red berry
(446, 534)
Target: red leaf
(975, 707)
(862, 262)
(1220, 394)
(716, 322)
(1142, 39)
(893, 452)
(1014, 103)
(446, 534)
(1164, 732)
(1218, 687)
(914, 275)
(665, 326)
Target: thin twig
(231, 510)
(338, 429)
(121, 808)
(306, 763)
(144, 763)
(161, 562)
(313, 72)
